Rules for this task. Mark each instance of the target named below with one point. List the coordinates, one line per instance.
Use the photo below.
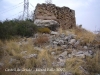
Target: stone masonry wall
(63, 15)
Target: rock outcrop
(51, 24)
(63, 15)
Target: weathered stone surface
(53, 53)
(61, 42)
(23, 52)
(54, 33)
(63, 15)
(12, 60)
(71, 36)
(90, 52)
(32, 55)
(61, 64)
(55, 42)
(80, 55)
(64, 46)
(77, 43)
(72, 41)
(1, 64)
(39, 49)
(44, 23)
(62, 35)
(85, 47)
(64, 54)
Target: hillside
(45, 47)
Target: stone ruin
(53, 16)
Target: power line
(16, 14)
(26, 10)
(31, 5)
(15, 5)
(11, 8)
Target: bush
(44, 30)
(26, 28)
(15, 27)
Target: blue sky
(87, 11)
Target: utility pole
(26, 10)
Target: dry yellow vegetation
(13, 48)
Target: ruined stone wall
(63, 15)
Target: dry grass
(97, 39)
(41, 39)
(60, 30)
(92, 65)
(14, 47)
(44, 30)
(83, 34)
(73, 65)
(44, 56)
(13, 50)
(1, 49)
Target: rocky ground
(53, 54)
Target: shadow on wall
(54, 27)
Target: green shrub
(44, 30)
(16, 27)
(26, 29)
